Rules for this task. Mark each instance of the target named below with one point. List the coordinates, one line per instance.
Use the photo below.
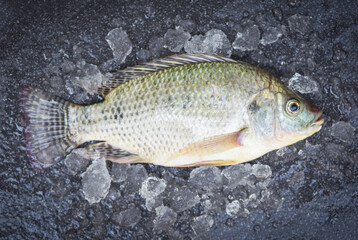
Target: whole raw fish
(184, 110)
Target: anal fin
(114, 154)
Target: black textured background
(316, 179)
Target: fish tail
(46, 123)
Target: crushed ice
(120, 44)
(302, 84)
(96, 181)
(175, 39)
(215, 41)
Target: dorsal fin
(129, 73)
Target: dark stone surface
(305, 191)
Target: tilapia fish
(183, 110)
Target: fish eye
(293, 107)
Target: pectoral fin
(212, 145)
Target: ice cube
(261, 171)
(88, 76)
(270, 35)
(252, 201)
(299, 23)
(181, 199)
(213, 202)
(143, 55)
(67, 66)
(343, 131)
(233, 208)
(248, 39)
(152, 203)
(120, 44)
(215, 41)
(282, 151)
(119, 172)
(175, 39)
(206, 178)
(237, 175)
(156, 46)
(187, 25)
(96, 181)
(310, 151)
(165, 218)
(127, 218)
(152, 187)
(271, 200)
(201, 226)
(114, 194)
(335, 151)
(196, 45)
(287, 153)
(132, 176)
(302, 84)
(77, 160)
(263, 183)
(297, 178)
(136, 174)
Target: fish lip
(317, 121)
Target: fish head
(296, 118)
(283, 118)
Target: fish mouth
(317, 122)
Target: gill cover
(262, 114)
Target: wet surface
(304, 191)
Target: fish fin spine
(45, 120)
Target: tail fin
(45, 118)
